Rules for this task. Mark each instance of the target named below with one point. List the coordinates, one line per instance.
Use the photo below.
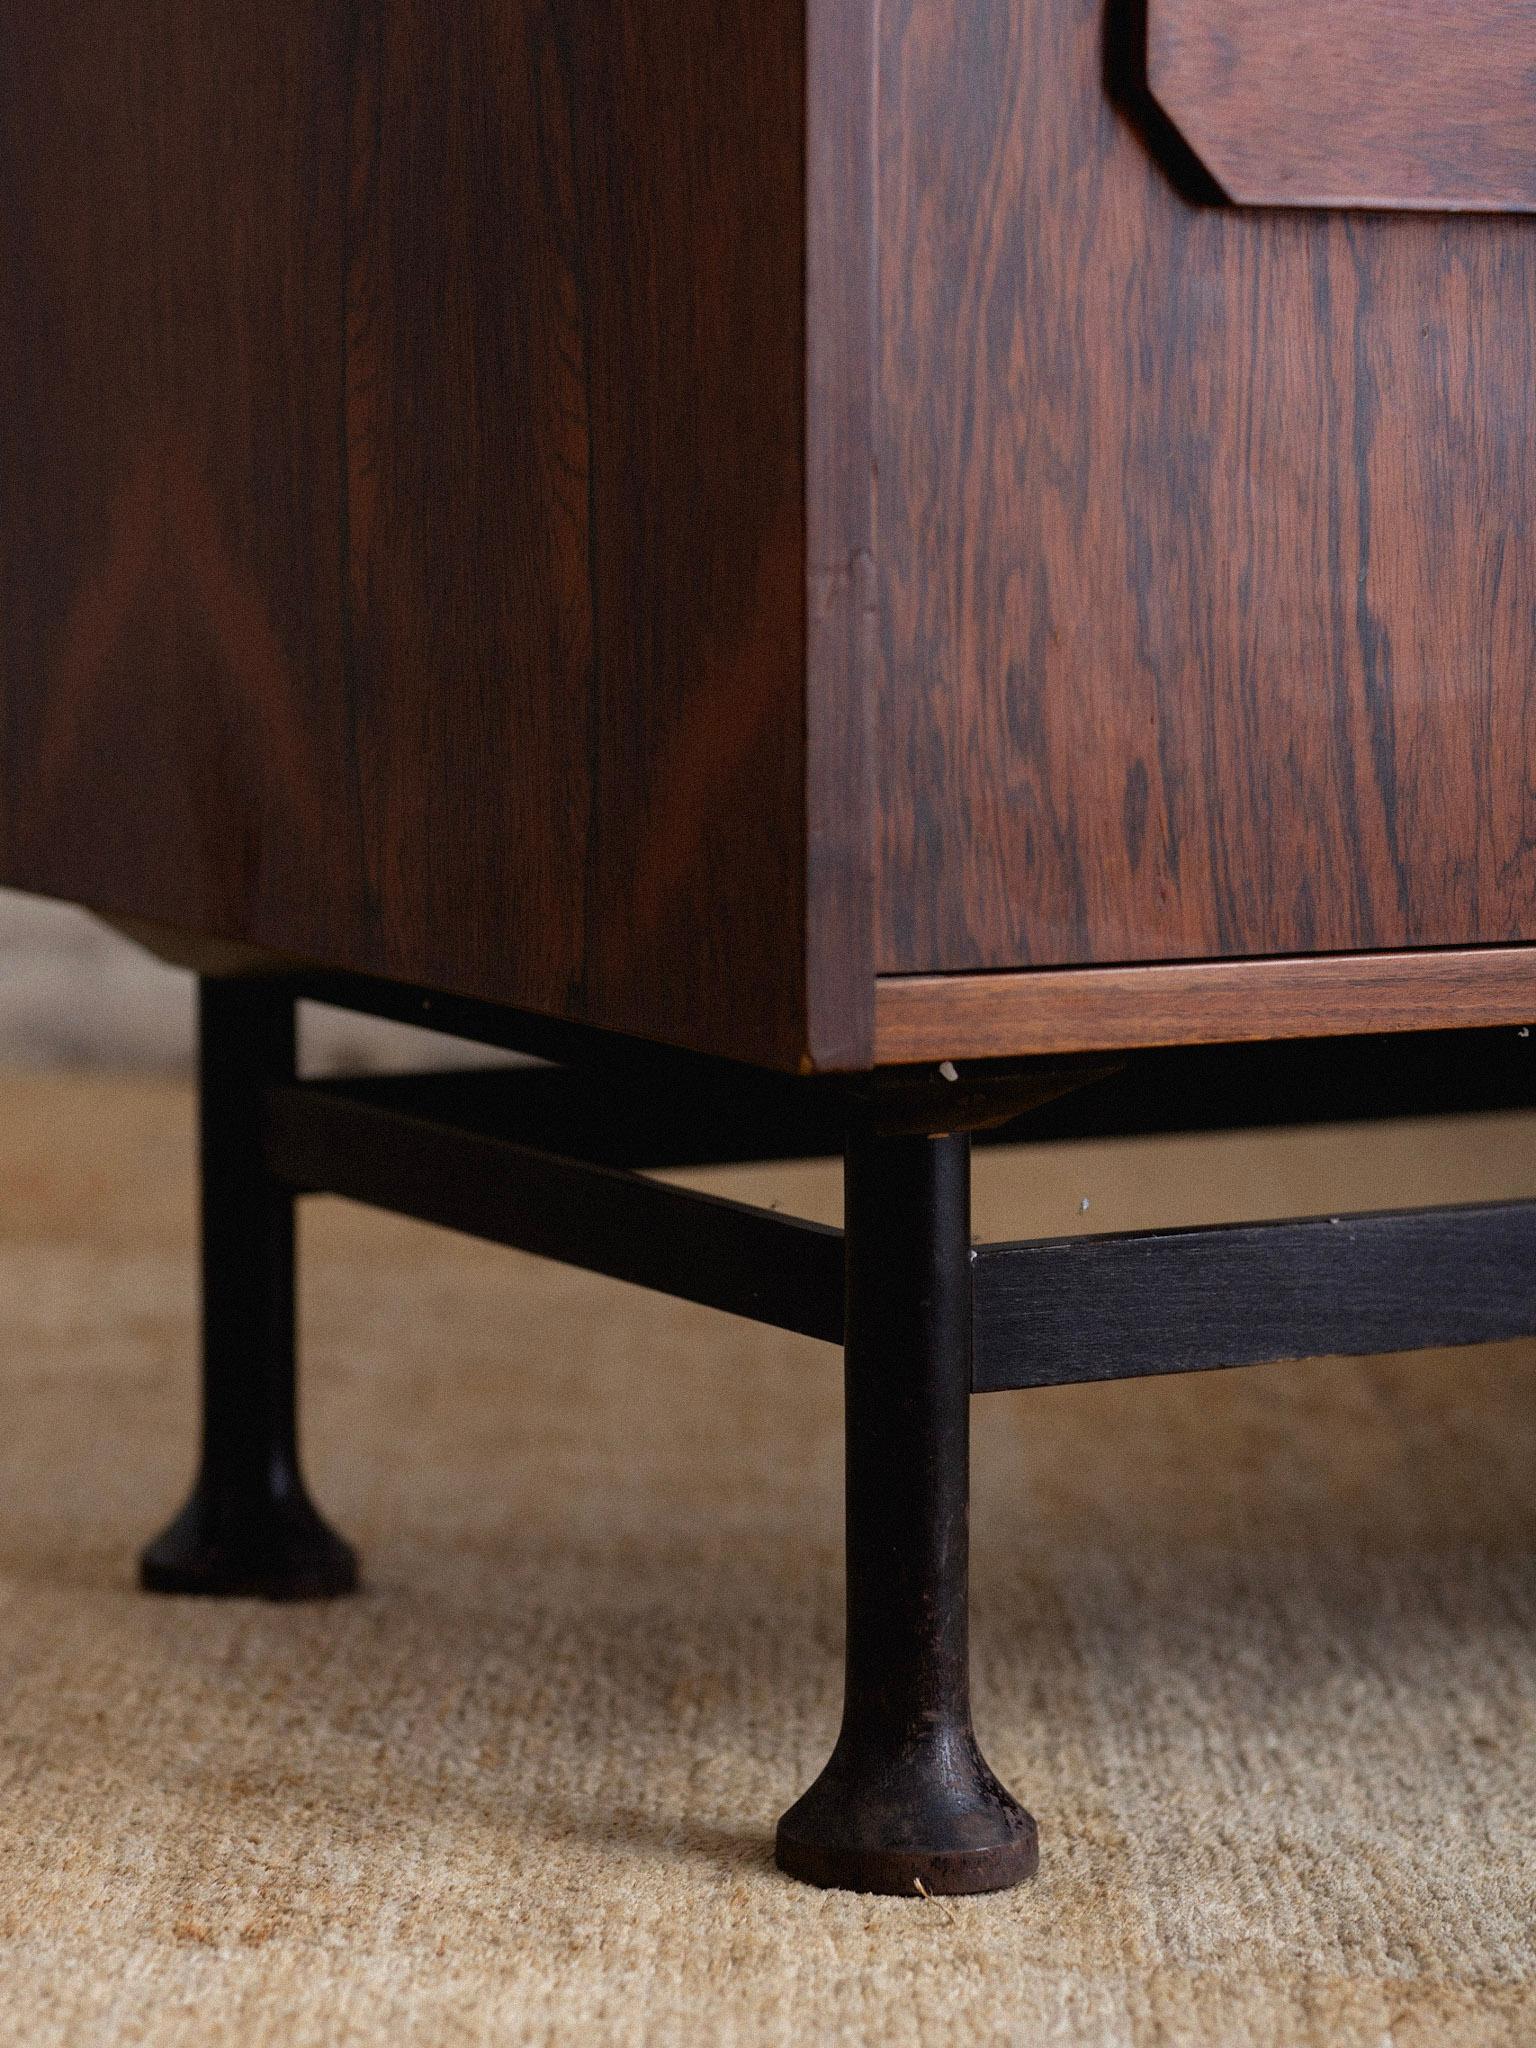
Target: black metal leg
(250, 1526)
(907, 1798)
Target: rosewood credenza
(847, 575)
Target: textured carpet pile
(1259, 1650)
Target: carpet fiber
(1258, 1649)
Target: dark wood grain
(175, 730)
(438, 533)
(577, 528)
(1208, 603)
(1380, 103)
(408, 550)
(1108, 1308)
(1065, 1010)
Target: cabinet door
(1207, 532)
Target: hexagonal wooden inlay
(1425, 104)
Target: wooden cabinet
(838, 536)
(811, 533)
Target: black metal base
(557, 1162)
(230, 1549)
(249, 1528)
(933, 1820)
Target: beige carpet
(1259, 1650)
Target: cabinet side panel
(1207, 537)
(173, 737)
(575, 393)
(404, 514)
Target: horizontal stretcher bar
(1107, 1308)
(728, 1255)
(1047, 1313)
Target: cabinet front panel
(1206, 551)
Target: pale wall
(74, 994)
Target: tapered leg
(249, 1527)
(907, 1798)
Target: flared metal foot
(934, 1820)
(283, 1550)
(907, 1802)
